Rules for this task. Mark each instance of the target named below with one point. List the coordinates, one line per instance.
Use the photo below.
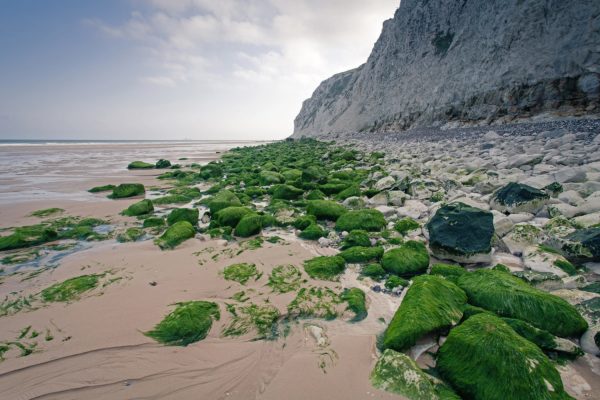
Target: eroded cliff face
(452, 62)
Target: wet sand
(98, 349)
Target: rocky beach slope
(438, 265)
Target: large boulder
(142, 207)
(431, 304)
(483, 358)
(509, 296)
(518, 198)
(461, 233)
(582, 245)
(367, 219)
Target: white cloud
(251, 53)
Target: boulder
(461, 233)
(518, 198)
(385, 183)
(484, 343)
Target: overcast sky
(173, 69)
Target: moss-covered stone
(368, 219)
(292, 175)
(162, 163)
(325, 267)
(130, 235)
(484, 358)
(398, 373)
(140, 165)
(350, 191)
(406, 225)
(125, 190)
(177, 233)
(249, 225)
(304, 221)
(231, 216)
(142, 207)
(357, 237)
(325, 209)
(286, 192)
(315, 195)
(431, 304)
(509, 296)
(270, 178)
(582, 245)
(461, 233)
(543, 339)
(223, 199)
(374, 271)
(183, 214)
(394, 281)
(411, 258)
(359, 254)
(518, 197)
(313, 232)
(27, 236)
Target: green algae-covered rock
(325, 267)
(483, 358)
(286, 192)
(461, 233)
(231, 216)
(304, 221)
(582, 245)
(270, 178)
(183, 214)
(411, 258)
(127, 190)
(315, 195)
(291, 175)
(393, 281)
(27, 236)
(398, 373)
(162, 163)
(350, 191)
(374, 271)
(518, 198)
(140, 208)
(406, 225)
(223, 199)
(140, 165)
(130, 235)
(325, 209)
(359, 254)
(367, 219)
(313, 232)
(332, 188)
(177, 233)
(250, 224)
(431, 304)
(509, 296)
(357, 237)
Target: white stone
(385, 183)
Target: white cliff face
(464, 62)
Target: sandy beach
(97, 347)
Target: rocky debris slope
(451, 61)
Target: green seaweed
(175, 235)
(359, 254)
(46, 212)
(409, 259)
(325, 267)
(285, 278)
(190, 322)
(241, 272)
(357, 303)
(368, 219)
(70, 289)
